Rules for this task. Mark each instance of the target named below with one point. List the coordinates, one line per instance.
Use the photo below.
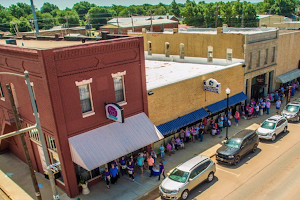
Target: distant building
(59, 30)
(157, 25)
(271, 20)
(140, 18)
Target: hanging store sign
(114, 112)
(212, 85)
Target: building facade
(80, 90)
(257, 46)
(288, 64)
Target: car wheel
(185, 194)
(210, 177)
(285, 129)
(236, 160)
(273, 137)
(254, 148)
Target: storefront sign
(114, 112)
(212, 85)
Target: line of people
(127, 166)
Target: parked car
(272, 127)
(187, 176)
(238, 146)
(291, 111)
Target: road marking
(272, 145)
(237, 175)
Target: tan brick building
(288, 57)
(175, 89)
(257, 46)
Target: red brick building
(73, 83)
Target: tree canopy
(199, 14)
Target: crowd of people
(126, 167)
(194, 133)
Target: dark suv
(238, 146)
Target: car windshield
(292, 108)
(268, 125)
(179, 176)
(234, 143)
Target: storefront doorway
(258, 87)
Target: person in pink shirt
(150, 162)
(169, 147)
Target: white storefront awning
(102, 145)
(289, 76)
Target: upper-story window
(250, 61)
(1, 93)
(34, 135)
(229, 54)
(85, 96)
(273, 55)
(258, 59)
(119, 87)
(267, 55)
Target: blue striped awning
(221, 105)
(182, 121)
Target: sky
(62, 4)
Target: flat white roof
(162, 73)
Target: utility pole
(132, 22)
(151, 26)
(35, 19)
(243, 15)
(89, 26)
(18, 33)
(67, 23)
(28, 160)
(216, 23)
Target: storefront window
(55, 159)
(82, 173)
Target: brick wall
(178, 99)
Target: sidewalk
(126, 189)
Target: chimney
(104, 35)
(168, 16)
(149, 48)
(181, 51)
(167, 49)
(225, 26)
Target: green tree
(210, 14)
(250, 18)
(45, 20)
(82, 8)
(193, 14)
(174, 8)
(98, 16)
(20, 10)
(22, 24)
(48, 7)
(284, 7)
(5, 19)
(70, 16)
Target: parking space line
(237, 175)
(272, 145)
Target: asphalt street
(271, 173)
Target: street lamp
(227, 92)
